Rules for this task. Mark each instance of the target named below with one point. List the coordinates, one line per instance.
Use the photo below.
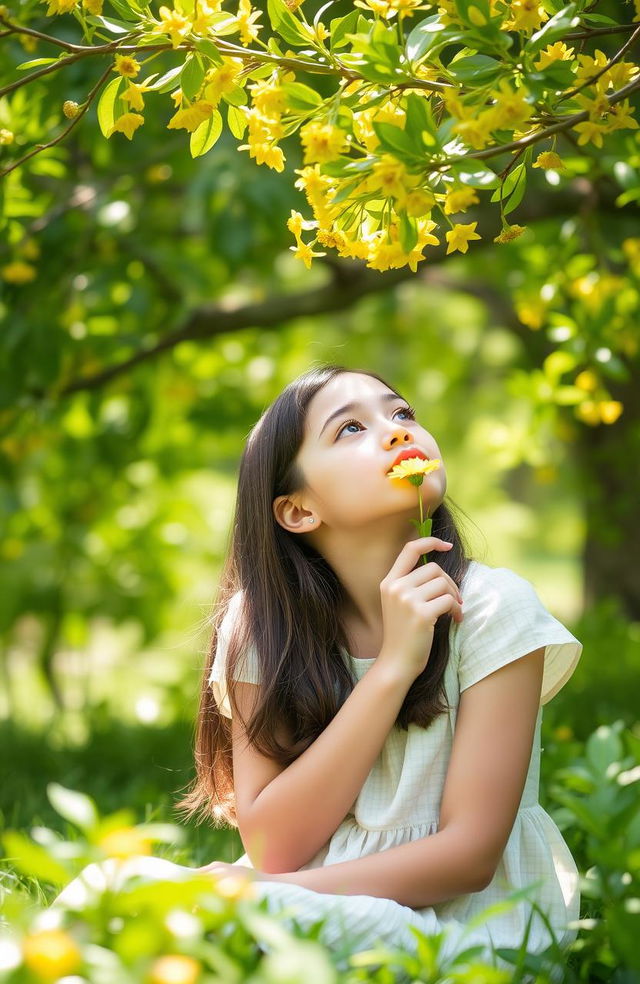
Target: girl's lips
(409, 453)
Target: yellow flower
(70, 109)
(460, 236)
(93, 6)
(174, 968)
(60, 6)
(590, 131)
(419, 203)
(18, 272)
(204, 15)
(459, 200)
(620, 117)
(509, 233)
(389, 8)
(126, 66)
(511, 107)
(553, 53)
(609, 410)
(173, 23)
(322, 141)
(128, 123)
(6, 137)
(548, 159)
(294, 223)
(51, 954)
(590, 66)
(304, 252)
(222, 79)
(525, 15)
(476, 130)
(125, 842)
(587, 380)
(268, 98)
(191, 117)
(411, 467)
(246, 19)
(133, 95)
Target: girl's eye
(410, 411)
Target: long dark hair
(290, 602)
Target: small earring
(311, 520)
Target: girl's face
(348, 450)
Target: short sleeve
(247, 669)
(505, 619)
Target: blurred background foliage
(165, 314)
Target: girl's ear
(292, 517)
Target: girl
(371, 722)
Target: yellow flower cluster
(264, 122)
(594, 412)
(525, 16)
(389, 8)
(67, 6)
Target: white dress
(400, 799)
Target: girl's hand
(412, 600)
(221, 869)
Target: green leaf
(34, 63)
(107, 103)
(392, 138)
(508, 184)
(420, 119)
(285, 24)
(206, 135)
(112, 25)
(475, 68)
(169, 80)
(236, 96)
(301, 97)
(192, 76)
(603, 747)
(236, 121)
(423, 36)
(408, 234)
(76, 807)
(340, 27)
(32, 859)
(554, 29)
(210, 50)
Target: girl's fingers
(413, 550)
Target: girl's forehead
(347, 388)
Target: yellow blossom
(414, 466)
(586, 380)
(126, 66)
(531, 312)
(246, 19)
(191, 116)
(476, 131)
(526, 16)
(620, 117)
(590, 131)
(223, 79)
(60, 7)
(322, 141)
(70, 109)
(204, 16)
(18, 272)
(294, 223)
(133, 95)
(51, 954)
(419, 203)
(128, 123)
(609, 410)
(509, 232)
(548, 159)
(173, 23)
(6, 136)
(589, 66)
(268, 98)
(174, 968)
(125, 842)
(93, 6)
(620, 74)
(390, 8)
(304, 252)
(460, 236)
(459, 200)
(511, 107)
(553, 53)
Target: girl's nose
(397, 435)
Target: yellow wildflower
(322, 141)
(174, 968)
(510, 107)
(222, 79)
(509, 232)
(526, 16)
(586, 380)
(133, 95)
(553, 53)
(620, 117)
(204, 15)
(6, 137)
(305, 253)
(419, 203)
(476, 131)
(93, 6)
(70, 109)
(268, 98)
(125, 842)
(60, 7)
(389, 8)
(191, 116)
(414, 466)
(294, 223)
(128, 123)
(246, 19)
(173, 23)
(126, 66)
(460, 236)
(548, 159)
(590, 131)
(619, 74)
(587, 412)
(51, 954)
(459, 200)
(609, 410)
(18, 272)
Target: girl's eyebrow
(348, 407)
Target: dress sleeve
(247, 669)
(504, 619)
